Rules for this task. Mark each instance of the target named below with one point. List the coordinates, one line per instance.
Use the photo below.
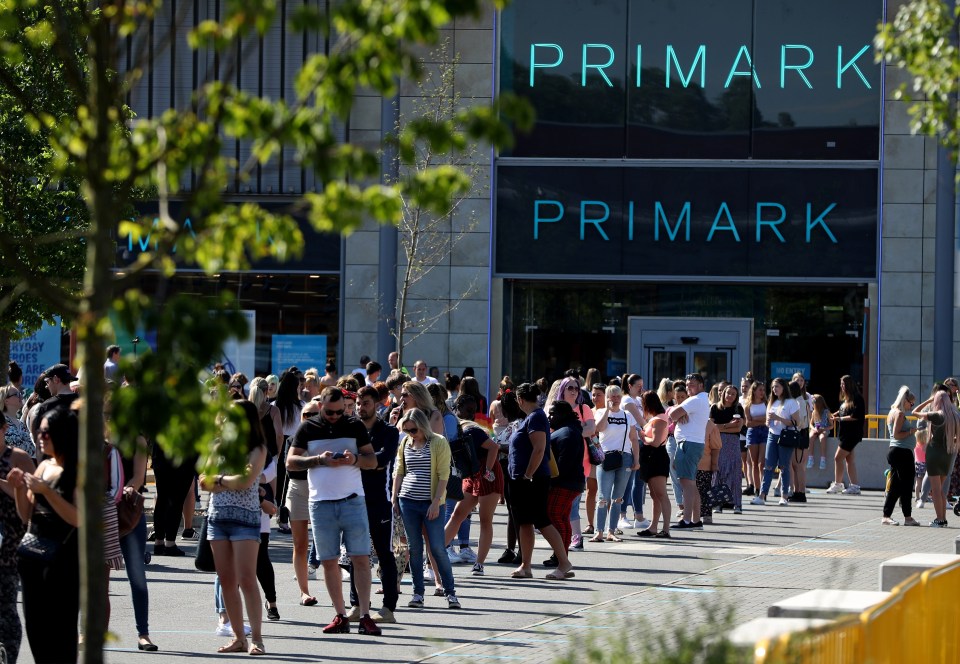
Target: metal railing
(877, 425)
(917, 622)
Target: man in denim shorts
(333, 448)
(691, 432)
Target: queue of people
(351, 467)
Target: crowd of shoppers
(346, 457)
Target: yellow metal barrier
(877, 425)
(916, 623)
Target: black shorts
(529, 501)
(847, 445)
(654, 462)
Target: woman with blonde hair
(900, 457)
(419, 489)
(414, 395)
(944, 421)
(618, 438)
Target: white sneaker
(919, 504)
(852, 490)
(809, 462)
(428, 574)
(468, 556)
(757, 500)
(624, 522)
(823, 463)
(642, 524)
(783, 501)
(836, 487)
(453, 556)
(344, 575)
(225, 629)
(311, 572)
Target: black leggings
(51, 601)
(513, 540)
(173, 483)
(902, 477)
(265, 573)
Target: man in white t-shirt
(334, 448)
(691, 432)
(420, 374)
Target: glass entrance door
(675, 362)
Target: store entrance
(716, 348)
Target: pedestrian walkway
(635, 589)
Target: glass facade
(708, 159)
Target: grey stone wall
(908, 216)
(460, 336)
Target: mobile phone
(338, 455)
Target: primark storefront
(700, 192)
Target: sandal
(237, 645)
(555, 576)
(596, 538)
(612, 538)
(308, 600)
(256, 648)
(588, 530)
(522, 574)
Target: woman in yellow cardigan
(419, 491)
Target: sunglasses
(572, 388)
(404, 394)
(411, 430)
(333, 413)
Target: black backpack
(463, 455)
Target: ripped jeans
(610, 487)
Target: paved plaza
(634, 588)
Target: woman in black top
(728, 415)
(566, 443)
(850, 418)
(47, 500)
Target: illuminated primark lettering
(794, 58)
(767, 219)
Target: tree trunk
(91, 341)
(4, 356)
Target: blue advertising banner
(302, 350)
(37, 352)
(787, 369)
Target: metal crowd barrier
(916, 623)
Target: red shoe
(367, 626)
(339, 625)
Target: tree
(922, 39)
(426, 235)
(113, 156)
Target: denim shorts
(757, 435)
(229, 531)
(330, 518)
(687, 459)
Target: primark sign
(774, 223)
(735, 79)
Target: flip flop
(596, 538)
(522, 574)
(554, 576)
(237, 645)
(613, 538)
(308, 601)
(256, 648)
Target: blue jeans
(776, 456)
(218, 595)
(134, 546)
(610, 487)
(635, 495)
(414, 513)
(674, 480)
(463, 534)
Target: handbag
(594, 452)
(790, 437)
(129, 511)
(554, 468)
(42, 549)
(719, 495)
(613, 460)
(204, 560)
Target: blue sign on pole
(302, 350)
(787, 369)
(37, 352)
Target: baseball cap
(61, 371)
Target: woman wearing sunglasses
(419, 490)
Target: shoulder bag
(204, 560)
(613, 460)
